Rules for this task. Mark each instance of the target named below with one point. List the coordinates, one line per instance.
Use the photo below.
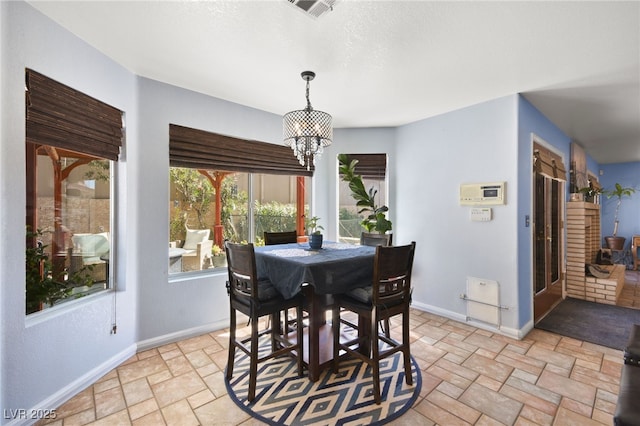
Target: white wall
(432, 158)
(51, 355)
(198, 303)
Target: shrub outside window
(249, 205)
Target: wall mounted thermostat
(481, 214)
(491, 193)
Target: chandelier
(307, 131)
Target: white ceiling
(388, 63)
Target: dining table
(319, 274)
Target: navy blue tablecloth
(334, 269)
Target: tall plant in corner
(618, 192)
(375, 216)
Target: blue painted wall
(531, 122)
(627, 175)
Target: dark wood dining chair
(388, 296)
(256, 299)
(271, 238)
(375, 239)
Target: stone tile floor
(470, 377)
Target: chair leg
(275, 329)
(406, 351)
(300, 338)
(253, 359)
(335, 328)
(232, 343)
(375, 357)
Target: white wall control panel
(481, 214)
(489, 193)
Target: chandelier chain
(309, 107)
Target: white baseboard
(505, 331)
(522, 333)
(73, 388)
(439, 311)
(154, 342)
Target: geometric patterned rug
(283, 398)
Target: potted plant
(590, 193)
(315, 233)
(219, 257)
(41, 283)
(615, 242)
(375, 219)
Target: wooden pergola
(60, 173)
(217, 177)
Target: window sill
(64, 308)
(192, 275)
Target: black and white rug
(283, 398)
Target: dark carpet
(604, 325)
(283, 398)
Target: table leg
(316, 319)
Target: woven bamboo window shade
(370, 166)
(548, 163)
(199, 149)
(60, 116)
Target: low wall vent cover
(314, 8)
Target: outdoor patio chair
(197, 249)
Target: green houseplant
(315, 233)
(375, 219)
(43, 284)
(590, 193)
(614, 242)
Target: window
(224, 188)
(72, 141)
(372, 168)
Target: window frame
(109, 284)
(371, 167)
(59, 117)
(248, 182)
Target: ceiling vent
(314, 8)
